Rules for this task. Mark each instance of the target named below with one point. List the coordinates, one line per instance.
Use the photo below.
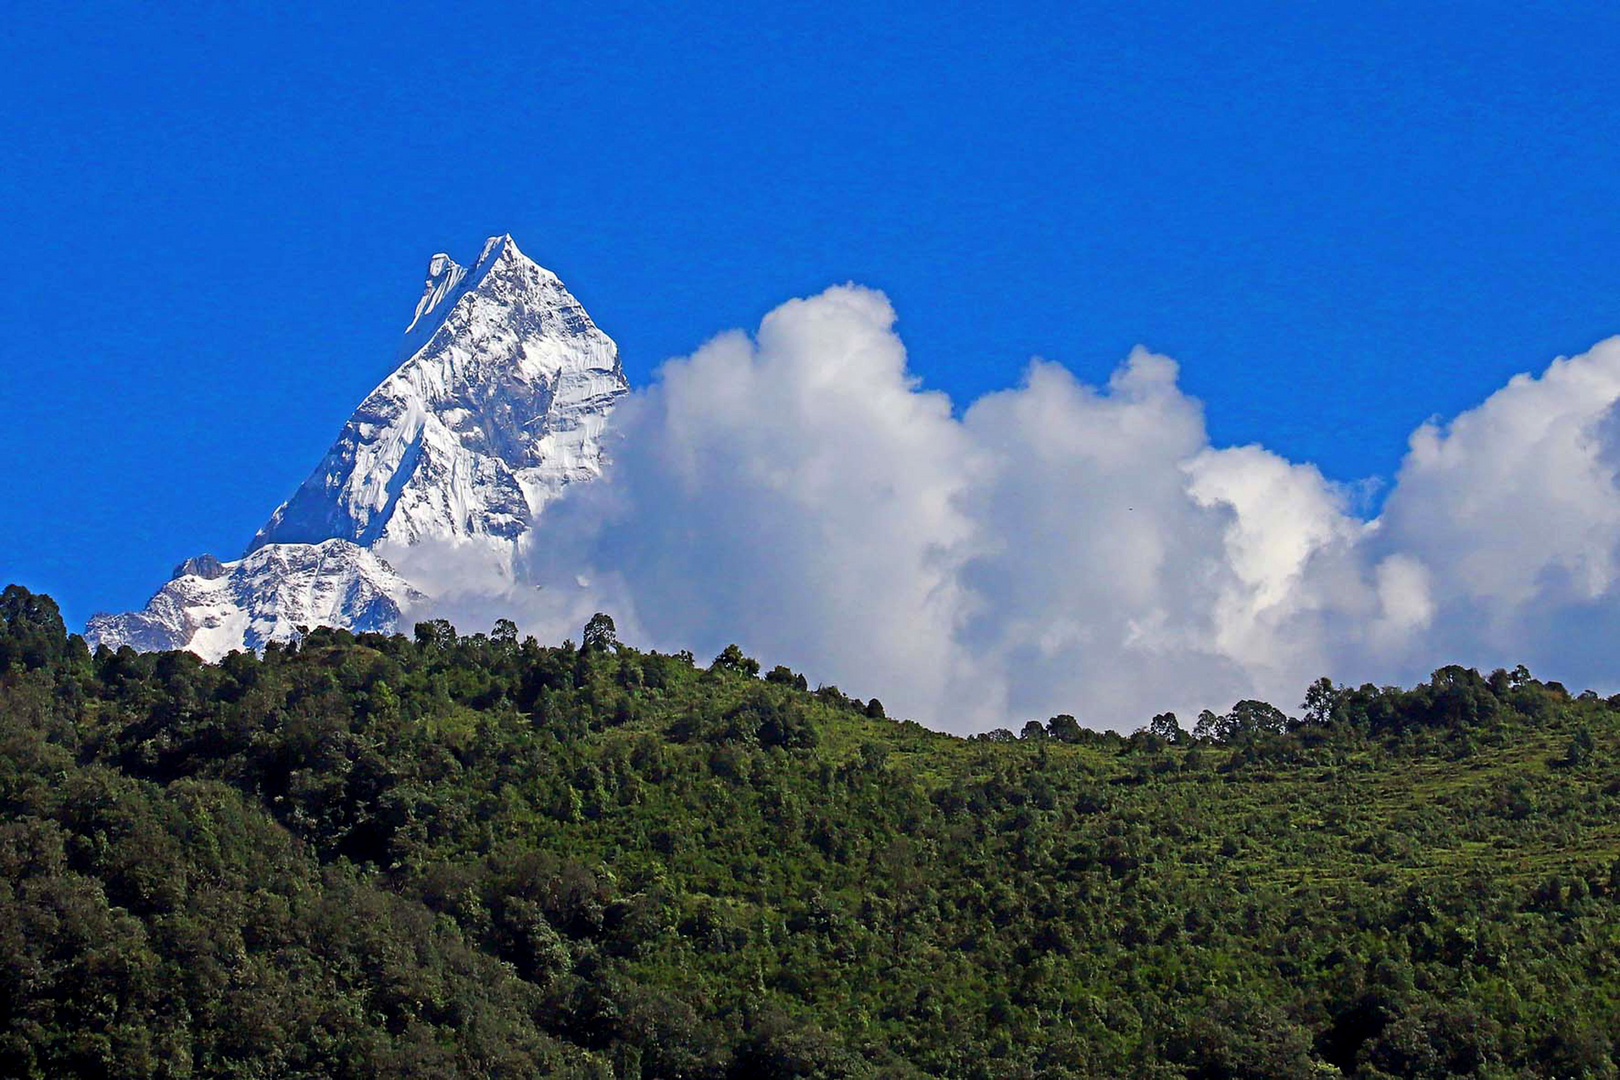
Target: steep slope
(210, 607)
(500, 402)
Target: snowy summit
(499, 401)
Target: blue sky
(1341, 219)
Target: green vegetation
(475, 856)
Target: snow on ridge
(444, 274)
(499, 401)
(447, 281)
(266, 596)
(499, 404)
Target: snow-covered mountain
(212, 607)
(501, 393)
(500, 402)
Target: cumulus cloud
(1512, 513)
(1061, 547)
(797, 493)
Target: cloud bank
(1061, 547)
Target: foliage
(600, 633)
(454, 855)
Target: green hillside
(478, 856)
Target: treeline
(1456, 702)
(451, 855)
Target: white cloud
(797, 493)
(1060, 547)
(1406, 606)
(1512, 510)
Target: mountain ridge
(498, 401)
(496, 408)
(270, 594)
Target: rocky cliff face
(499, 401)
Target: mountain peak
(447, 281)
(503, 387)
(443, 276)
(495, 244)
(501, 393)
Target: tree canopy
(456, 854)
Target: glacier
(502, 390)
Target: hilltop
(473, 855)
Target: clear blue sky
(1340, 218)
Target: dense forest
(444, 855)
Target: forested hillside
(367, 856)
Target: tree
(1459, 697)
(1033, 730)
(1208, 726)
(1167, 727)
(600, 634)
(436, 634)
(32, 634)
(1247, 719)
(1320, 701)
(731, 658)
(1251, 717)
(1065, 728)
(786, 676)
(220, 862)
(505, 632)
